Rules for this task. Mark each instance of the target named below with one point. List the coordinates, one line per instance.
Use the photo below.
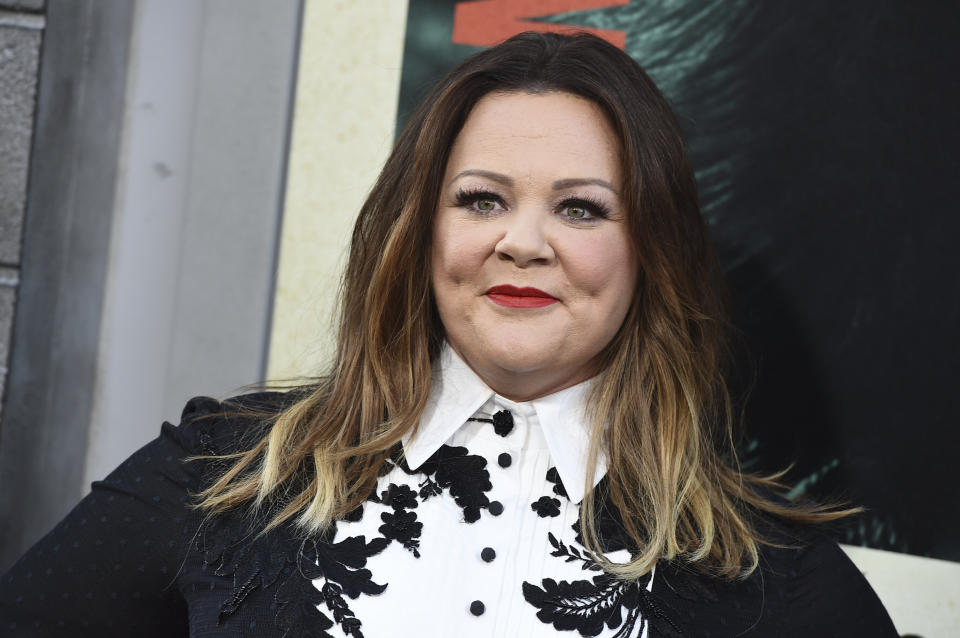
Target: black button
(488, 554)
(504, 460)
(477, 608)
(496, 508)
(502, 422)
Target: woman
(525, 431)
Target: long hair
(661, 410)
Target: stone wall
(21, 33)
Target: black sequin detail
(477, 608)
(488, 554)
(504, 460)
(495, 508)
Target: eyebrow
(506, 180)
(560, 184)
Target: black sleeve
(110, 567)
(804, 587)
(831, 597)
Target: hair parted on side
(661, 409)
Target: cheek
(458, 255)
(603, 267)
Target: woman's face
(533, 269)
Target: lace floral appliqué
(295, 567)
(588, 606)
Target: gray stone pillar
(20, 36)
(66, 229)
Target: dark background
(824, 136)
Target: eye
(479, 201)
(485, 204)
(583, 210)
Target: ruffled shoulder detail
(212, 427)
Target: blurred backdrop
(178, 180)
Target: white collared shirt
(489, 574)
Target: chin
(524, 355)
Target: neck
(527, 386)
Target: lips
(513, 297)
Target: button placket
(505, 429)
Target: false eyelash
(467, 196)
(598, 208)
(595, 205)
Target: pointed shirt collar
(456, 393)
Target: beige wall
(346, 103)
(921, 594)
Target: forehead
(519, 134)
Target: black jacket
(134, 559)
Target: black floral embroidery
(399, 497)
(403, 527)
(546, 506)
(554, 477)
(312, 581)
(282, 559)
(342, 566)
(465, 475)
(252, 565)
(429, 489)
(298, 614)
(344, 563)
(587, 606)
(333, 597)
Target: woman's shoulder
(804, 584)
(135, 533)
(212, 427)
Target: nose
(525, 241)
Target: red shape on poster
(488, 22)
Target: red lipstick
(513, 297)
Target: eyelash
(467, 198)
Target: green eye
(486, 205)
(577, 212)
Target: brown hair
(661, 408)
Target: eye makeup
(481, 200)
(594, 206)
(470, 199)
